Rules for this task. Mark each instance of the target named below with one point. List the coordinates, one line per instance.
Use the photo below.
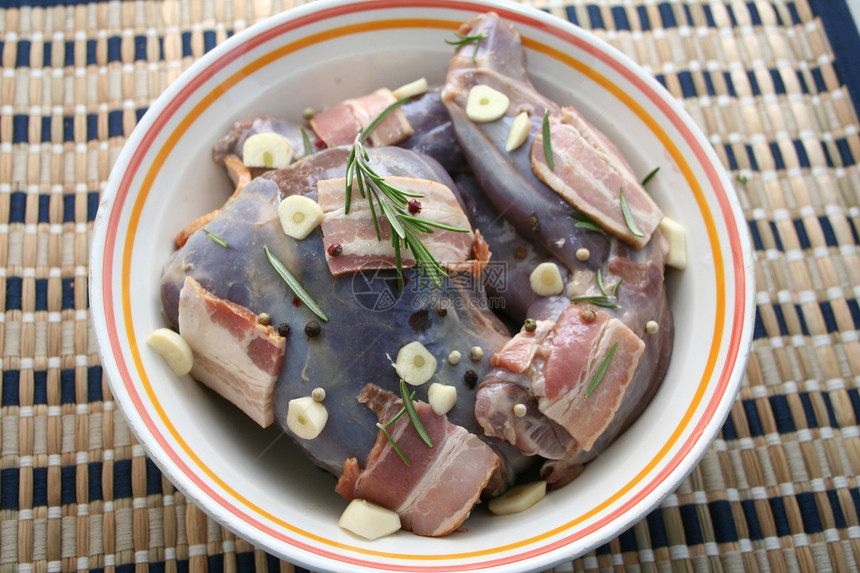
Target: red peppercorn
(414, 206)
(297, 301)
(335, 250)
(319, 144)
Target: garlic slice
(173, 348)
(306, 417)
(441, 397)
(485, 104)
(415, 364)
(369, 520)
(518, 498)
(518, 132)
(268, 149)
(411, 89)
(299, 215)
(677, 237)
(545, 280)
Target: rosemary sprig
(216, 239)
(413, 415)
(596, 300)
(306, 142)
(606, 299)
(391, 201)
(466, 40)
(628, 216)
(650, 176)
(601, 370)
(547, 142)
(586, 222)
(394, 444)
(294, 285)
(387, 435)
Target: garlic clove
(415, 364)
(369, 520)
(677, 238)
(518, 132)
(306, 417)
(441, 397)
(173, 348)
(545, 280)
(518, 498)
(411, 89)
(484, 104)
(268, 150)
(299, 215)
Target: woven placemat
(776, 491)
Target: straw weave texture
(776, 491)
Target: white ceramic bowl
(255, 482)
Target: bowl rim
(120, 183)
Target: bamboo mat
(776, 491)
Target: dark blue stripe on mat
(845, 41)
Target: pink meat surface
(589, 172)
(356, 234)
(234, 354)
(340, 124)
(436, 493)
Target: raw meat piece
(436, 492)
(234, 354)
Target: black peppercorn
(312, 328)
(470, 378)
(284, 329)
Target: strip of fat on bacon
(436, 492)
(356, 234)
(233, 353)
(340, 124)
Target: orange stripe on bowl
(382, 25)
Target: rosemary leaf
(466, 40)
(294, 285)
(365, 133)
(585, 222)
(397, 415)
(413, 415)
(306, 142)
(596, 300)
(216, 239)
(601, 370)
(650, 176)
(628, 216)
(394, 444)
(547, 142)
(600, 284)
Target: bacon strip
(340, 124)
(590, 172)
(577, 349)
(436, 493)
(356, 235)
(234, 354)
